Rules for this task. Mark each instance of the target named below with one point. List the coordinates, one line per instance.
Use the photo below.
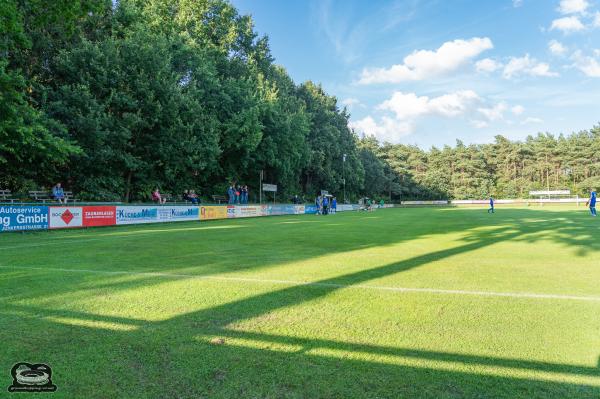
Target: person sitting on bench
(157, 197)
(59, 194)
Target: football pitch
(396, 303)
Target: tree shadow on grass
(263, 243)
(157, 363)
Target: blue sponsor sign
(19, 218)
(281, 210)
(136, 214)
(175, 213)
(310, 209)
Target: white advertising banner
(441, 202)
(248, 211)
(66, 217)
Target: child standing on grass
(592, 203)
(491, 210)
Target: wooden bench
(6, 196)
(40, 196)
(69, 197)
(219, 198)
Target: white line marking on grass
(526, 295)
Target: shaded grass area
(138, 335)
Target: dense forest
(114, 98)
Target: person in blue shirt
(491, 210)
(592, 203)
(325, 205)
(58, 193)
(334, 205)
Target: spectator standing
(59, 194)
(245, 194)
(231, 194)
(237, 194)
(157, 197)
(325, 205)
(334, 205)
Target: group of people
(326, 204)
(370, 204)
(237, 194)
(188, 196)
(191, 196)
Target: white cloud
(494, 113)
(556, 47)
(517, 3)
(517, 109)
(588, 65)
(526, 66)
(424, 64)
(350, 102)
(388, 130)
(409, 106)
(532, 120)
(487, 65)
(479, 124)
(567, 24)
(596, 22)
(573, 6)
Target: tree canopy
(115, 98)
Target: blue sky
(428, 72)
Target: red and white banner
(99, 215)
(66, 217)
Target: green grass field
(399, 303)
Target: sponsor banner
(99, 216)
(213, 212)
(19, 218)
(177, 213)
(443, 202)
(230, 211)
(282, 210)
(551, 192)
(63, 217)
(136, 214)
(310, 209)
(248, 211)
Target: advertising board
(63, 217)
(19, 218)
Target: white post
(260, 188)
